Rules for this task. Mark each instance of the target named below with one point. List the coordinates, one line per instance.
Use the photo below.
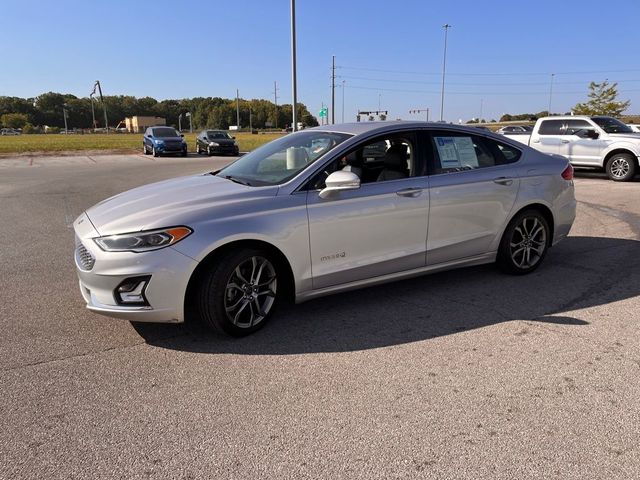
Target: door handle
(564, 141)
(503, 180)
(409, 192)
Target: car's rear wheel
(524, 243)
(621, 167)
(238, 295)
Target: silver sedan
(317, 212)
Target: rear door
(473, 186)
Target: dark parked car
(162, 140)
(216, 142)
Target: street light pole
(104, 107)
(294, 85)
(333, 90)
(446, 27)
(188, 114)
(550, 93)
(180, 123)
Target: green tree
(602, 101)
(14, 120)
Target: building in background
(138, 124)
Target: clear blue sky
(500, 53)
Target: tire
(230, 298)
(198, 149)
(524, 243)
(209, 151)
(621, 167)
(144, 149)
(155, 152)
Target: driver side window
(387, 158)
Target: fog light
(131, 291)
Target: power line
(515, 74)
(481, 92)
(519, 84)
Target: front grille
(174, 146)
(84, 259)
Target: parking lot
(464, 374)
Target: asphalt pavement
(467, 374)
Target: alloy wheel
(619, 167)
(528, 242)
(250, 292)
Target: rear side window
(551, 127)
(455, 152)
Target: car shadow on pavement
(578, 273)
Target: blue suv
(161, 140)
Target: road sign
(323, 112)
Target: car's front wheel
(144, 149)
(154, 151)
(238, 295)
(524, 243)
(621, 167)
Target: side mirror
(338, 181)
(149, 136)
(592, 134)
(233, 138)
(182, 134)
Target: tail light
(567, 173)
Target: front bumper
(223, 150)
(169, 270)
(164, 148)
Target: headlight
(143, 241)
(214, 144)
(159, 142)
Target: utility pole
(238, 109)
(180, 123)
(480, 117)
(104, 107)
(93, 111)
(343, 82)
(419, 111)
(550, 93)
(294, 84)
(188, 114)
(275, 100)
(446, 27)
(64, 115)
(333, 89)
(322, 110)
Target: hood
(221, 141)
(170, 139)
(179, 201)
(635, 137)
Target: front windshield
(280, 160)
(214, 135)
(165, 132)
(611, 125)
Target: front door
(578, 147)
(378, 229)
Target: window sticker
(456, 152)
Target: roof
(358, 128)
